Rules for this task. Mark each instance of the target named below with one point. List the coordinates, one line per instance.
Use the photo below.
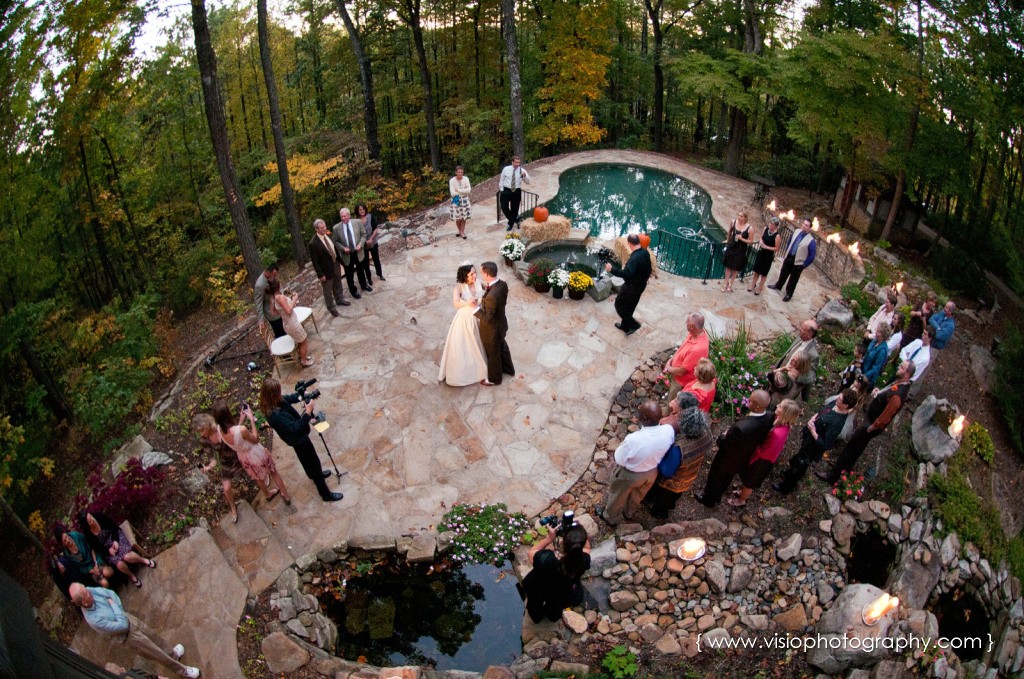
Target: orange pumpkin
(540, 214)
(645, 240)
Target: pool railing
(528, 201)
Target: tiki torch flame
(877, 609)
(855, 249)
(815, 225)
(833, 238)
(771, 205)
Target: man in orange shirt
(680, 367)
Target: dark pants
(277, 325)
(791, 271)
(499, 358)
(625, 305)
(355, 267)
(798, 464)
(373, 252)
(310, 462)
(851, 453)
(509, 201)
(334, 291)
(726, 465)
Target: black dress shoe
(368, 288)
(356, 295)
(775, 287)
(619, 326)
(326, 474)
(509, 228)
(333, 497)
(701, 499)
(334, 312)
(631, 331)
(344, 302)
(787, 298)
(381, 278)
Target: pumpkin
(540, 214)
(645, 240)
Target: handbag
(670, 462)
(456, 201)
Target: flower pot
(542, 288)
(576, 294)
(557, 293)
(509, 261)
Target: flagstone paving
(411, 447)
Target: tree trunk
(515, 85)
(476, 52)
(654, 14)
(20, 525)
(219, 138)
(103, 251)
(365, 80)
(287, 195)
(737, 138)
(411, 16)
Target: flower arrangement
(558, 278)
(484, 533)
(539, 271)
(512, 248)
(740, 371)
(579, 281)
(850, 486)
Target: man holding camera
(293, 429)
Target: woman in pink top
(767, 454)
(705, 385)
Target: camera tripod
(321, 427)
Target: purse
(670, 462)
(456, 201)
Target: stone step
(251, 548)
(193, 597)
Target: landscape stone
(835, 315)
(498, 672)
(668, 645)
(983, 367)
(602, 556)
(930, 443)
(282, 654)
(842, 621)
(574, 621)
(789, 548)
(194, 481)
(843, 526)
(573, 668)
(155, 458)
(740, 578)
(623, 600)
(422, 549)
(715, 575)
(792, 620)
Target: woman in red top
(705, 385)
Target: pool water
(448, 615)
(614, 200)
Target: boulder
(912, 580)
(155, 459)
(790, 547)
(422, 548)
(930, 443)
(842, 623)
(794, 620)
(715, 575)
(283, 655)
(602, 556)
(843, 526)
(623, 600)
(574, 621)
(983, 366)
(668, 645)
(835, 315)
(740, 578)
(195, 481)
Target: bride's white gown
(463, 361)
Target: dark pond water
(613, 200)
(870, 560)
(465, 617)
(963, 621)
(572, 255)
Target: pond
(614, 200)
(450, 616)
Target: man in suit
(635, 274)
(349, 241)
(494, 325)
(265, 311)
(799, 255)
(736, 446)
(511, 181)
(807, 342)
(325, 262)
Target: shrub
(483, 533)
(860, 302)
(978, 441)
(958, 272)
(1009, 376)
(131, 490)
(740, 371)
(963, 511)
(538, 271)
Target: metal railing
(527, 203)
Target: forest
(146, 179)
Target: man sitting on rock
(636, 469)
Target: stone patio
(412, 447)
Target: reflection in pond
(871, 558)
(962, 618)
(465, 617)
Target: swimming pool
(613, 200)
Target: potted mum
(537, 274)
(512, 249)
(558, 279)
(579, 282)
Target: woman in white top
(463, 361)
(459, 187)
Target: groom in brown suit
(494, 325)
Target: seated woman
(84, 561)
(706, 384)
(694, 441)
(107, 538)
(782, 382)
(64, 574)
(554, 584)
(285, 306)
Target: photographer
(293, 429)
(554, 584)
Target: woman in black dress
(372, 247)
(736, 249)
(765, 256)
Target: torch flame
(691, 548)
(899, 287)
(814, 224)
(790, 215)
(855, 249)
(957, 426)
(771, 205)
(874, 611)
(833, 238)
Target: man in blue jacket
(943, 325)
(799, 256)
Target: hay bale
(621, 249)
(556, 228)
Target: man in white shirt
(512, 179)
(636, 460)
(919, 353)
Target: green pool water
(613, 200)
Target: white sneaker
(178, 651)
(191, 673)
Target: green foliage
(1009, 375)
(862, 303)
(17, 470)
(898, 469)
(484, 533)
(957, 271)
(620, 663)
(740, 370)
(210, 385)
(842, 344)
(962, 510)
(978, 441)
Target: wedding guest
(807, 342)
(851, 372)
(884, 314)
(695, 441)
(218, 452)
(784, 383)
(735, 257)
(706, 384)
(285, 307)
(735, 447)
(877, 353)
(462, 209)
(943, 325)
(820, 435)
(264, 309)
(765, 256)
(372, 228)
(511, 184)
(324, 257)
(83, 559)
(636, 464)
(257, 462)
(767, 454)
(554, 583)
(799, 256)
(65, 574)
(919, 318)
(635, 274)
(918, 352)
(895, 340)
(106, 537)
(680, 368)
(350, 242)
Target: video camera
(568, 520)
(300, 390)
(604, 255)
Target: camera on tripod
(567, 521)
(300, 390)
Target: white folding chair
(282, 349)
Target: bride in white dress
(463, 361)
